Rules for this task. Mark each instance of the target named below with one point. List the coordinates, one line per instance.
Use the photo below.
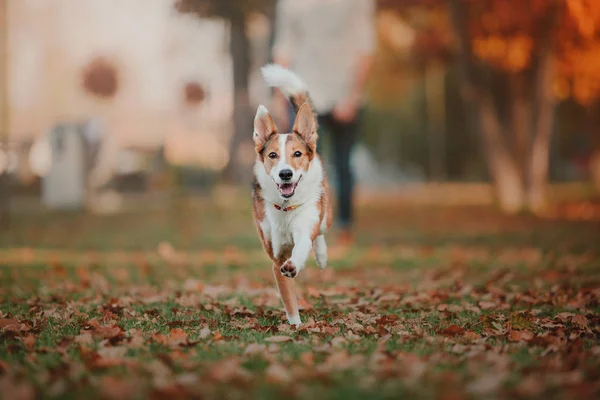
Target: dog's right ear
(264, 128)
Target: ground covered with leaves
(444, 303)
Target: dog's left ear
(264, 128)
(306, 126)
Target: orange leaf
(470, 335)
(177, 337)
(4, 322)
(452, 330)
(517, 336)
(29, 342)
(580, 320)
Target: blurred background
(132, 120)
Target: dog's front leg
(300, 254)
(288, 295)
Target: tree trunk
(592, 129)
(504, 170)
(483, 116)
(5, 188)
(537, 178)
(435, 100)
(521, 121)
(240, 54)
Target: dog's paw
(294, 320)
(321, 259)
(289, 270)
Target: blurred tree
(517, 59)
(4, 114)
(236, 12)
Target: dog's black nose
(286, 174)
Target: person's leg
(343, 138)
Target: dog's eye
(297, 154)
(272, 155)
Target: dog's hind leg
(321, 251)
(288, 295)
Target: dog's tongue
(287, 189)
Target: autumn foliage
(517, 60)
(506, 35)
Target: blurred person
(330, 44)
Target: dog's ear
(264, 127)
(306, 126)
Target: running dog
(291, 203)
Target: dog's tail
(292, 86)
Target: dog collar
(285, 209)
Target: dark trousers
(341, 138)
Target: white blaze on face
(281, 165)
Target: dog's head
(286, 156)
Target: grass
(431, 303)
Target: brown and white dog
(291, 207)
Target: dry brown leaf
(470, 335)
(84, 339)
(487, 305)
(177, 337)
(517, 336)
(278, 339)
(452, 330)
(228, 370)
(6, 322)
(486, 384)
(160, 338)
(29, 342)
(255, 348)
(352, 337)
(564, 316)
(580, 320)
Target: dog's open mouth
(287, 189)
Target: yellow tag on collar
(285, 209)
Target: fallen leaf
(452, 330)
(228, 370)
(278, 339)
(487, 305)
(470, 335)
(84, 339)
(160, 338)
(564, 316)
(255, 348)
(29, 342)
(486, 384)
(5, 322)
(177, 337)
(580, 320)
(517, 336)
